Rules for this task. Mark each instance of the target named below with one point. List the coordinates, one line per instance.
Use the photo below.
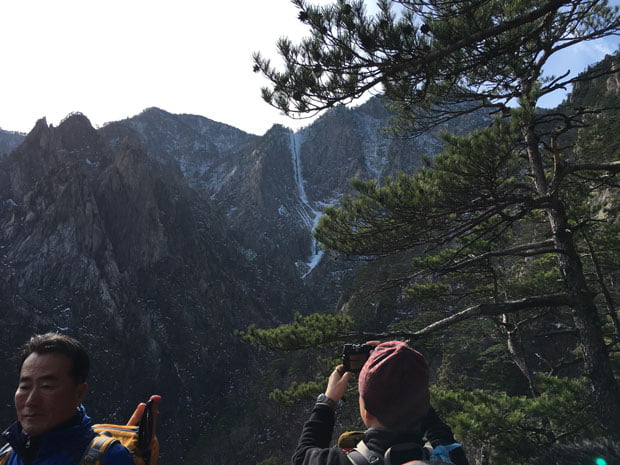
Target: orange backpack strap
(97, 449)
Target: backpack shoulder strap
(403, 447)
(362, 455)
(357, 458)
(428, 462)
(5, 453)
(97, 449)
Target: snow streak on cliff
(308, 214)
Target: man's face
(47, 395)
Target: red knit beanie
(394, 385)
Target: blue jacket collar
(52, 440)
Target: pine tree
(511, 194)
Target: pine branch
(380, 68)
(487, 309)
(524, 250)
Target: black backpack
(398, 454)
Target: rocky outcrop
(613, 81)
(606, 83)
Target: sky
(112, 59)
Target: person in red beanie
(394, 401)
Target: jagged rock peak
(47, 147)
(74, 132)
(76, 122)
(39, 130)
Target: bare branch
(613, 167)
(487, 309)
(493, 309)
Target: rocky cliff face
(154, 238)
(606, 83)
(272, 189)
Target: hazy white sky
(112, 59)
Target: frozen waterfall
(309, 215)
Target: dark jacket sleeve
(313, 445)
(439, 433)
(117, 455)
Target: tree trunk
(515, 347)
(611, 308)
(597, 367)
(605, 393)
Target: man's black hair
(55, 343)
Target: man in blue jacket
(52, 425)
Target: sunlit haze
(111, 60)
